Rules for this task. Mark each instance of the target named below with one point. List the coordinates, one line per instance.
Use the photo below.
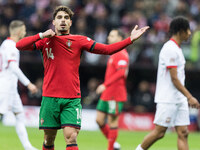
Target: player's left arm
(110, 49)
(115, 47)
(99, 48)
(193, 102)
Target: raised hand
(49, 33)
(137, 33)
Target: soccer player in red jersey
(113, 91)
(61, 107)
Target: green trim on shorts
(56, 113)
(110, 107)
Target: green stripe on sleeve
(92, 47)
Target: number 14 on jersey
(49, 53)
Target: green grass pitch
(92, 140)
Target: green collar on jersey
(63, 34)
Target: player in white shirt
(171, 96)
(10, 73)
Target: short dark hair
(120, 33)
(15, 24)
(178, 24)
(65, 9)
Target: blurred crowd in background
(95, 18)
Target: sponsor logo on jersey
(122, 63)
(69, 44)
(48, 42)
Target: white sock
(21, 131)
(139, 147)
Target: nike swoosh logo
(47, 42)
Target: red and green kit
(61, 59)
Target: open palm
(137, 33)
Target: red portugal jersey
(115, 77)
(61, 58)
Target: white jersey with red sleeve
(171, 56)
(9, 67)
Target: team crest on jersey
(69, 44)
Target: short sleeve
(12, 56)
(170, 58)
(87, 43)
(121, 61)
(11, 52)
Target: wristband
(41, 35)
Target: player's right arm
(170, 59)
(22, 78)
(27, 43)
(122, 71)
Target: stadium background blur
(95, 18)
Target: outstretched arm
(99, 48)
(137, 33)
(111, 48)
